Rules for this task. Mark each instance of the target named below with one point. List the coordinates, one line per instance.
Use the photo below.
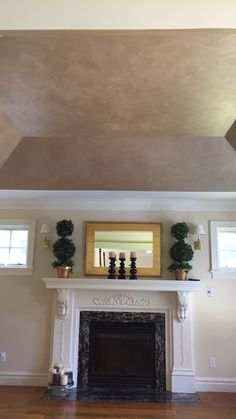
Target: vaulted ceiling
(92, 104)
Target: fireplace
(75, 297)
(122, 350)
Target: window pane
(3, 256)
(227, 240)
(19, 238)
(4, 238)
(18, 256)
(227, 259)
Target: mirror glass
(123, 242)
(123, 238)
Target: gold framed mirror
(142, 238)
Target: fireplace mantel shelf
(122, 284)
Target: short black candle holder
(112, 268)
(122, 269)
(133, 269)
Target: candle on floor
(133, 254)
(122, 255)
(64, 380)
(50, 376)
(112, 255)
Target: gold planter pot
(63, 271)
(181, 275)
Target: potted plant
(181, 252)
(64, 249)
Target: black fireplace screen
(122, 354)
(122, 350)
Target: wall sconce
(199, 231)
(44, 231)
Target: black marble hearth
(125, 395)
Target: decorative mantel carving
(121, 299)
(183, 299)
(63, 302)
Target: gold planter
(63, 271)
(181, 275)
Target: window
(223, 249)
(16, 247)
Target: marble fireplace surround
(173, 298)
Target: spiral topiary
(64, 248)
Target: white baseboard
(215, 384)
(183, 381)
(19, 378)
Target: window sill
(223, 274)
(16, 271)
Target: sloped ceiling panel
(123, 163)
(9, 137)
(119, 82)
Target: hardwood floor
(26, 403)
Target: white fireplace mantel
(183, 288)
(142, 295)
(123, 284)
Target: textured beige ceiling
(126, 82)
(125, 110)
(124, 163)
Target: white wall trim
(113, 14)
(221, 274)
(118, 200)
(23, 378)
(215, 384)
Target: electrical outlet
(212, 362)
(209, 292)
(3, 356)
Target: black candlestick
(122, 269)
(133, 269)
(112, 270)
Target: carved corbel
(183, 298)
(63, 302)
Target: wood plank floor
(26, 403)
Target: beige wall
(25, 304)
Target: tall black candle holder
(112, 268)
(133, 269)
(122, 269)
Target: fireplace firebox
(122, 350)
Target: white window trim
(28, 269)
(216, 271)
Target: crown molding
(118, 200)
(110, 14)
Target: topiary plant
(64, 248)
(181, 252)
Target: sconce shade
(45, 229)
(199, 230)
